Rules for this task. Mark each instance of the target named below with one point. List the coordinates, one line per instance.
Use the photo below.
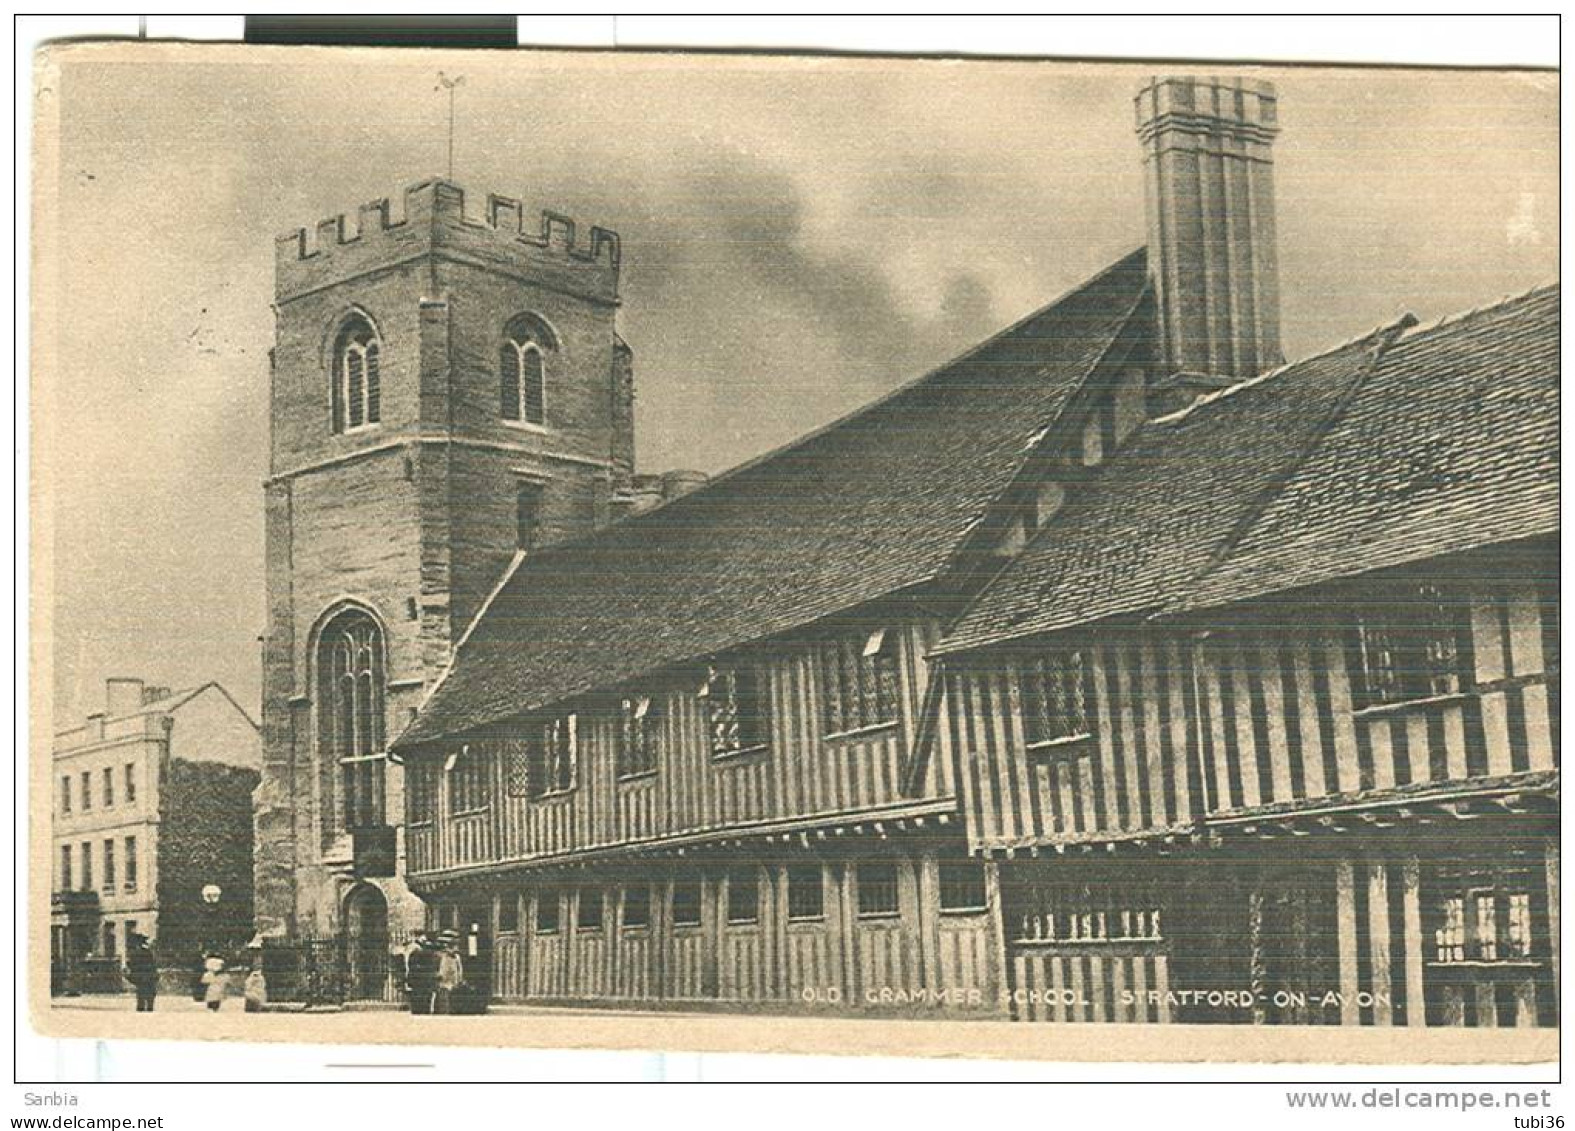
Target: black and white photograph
(1035, 558)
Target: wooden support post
(1000, 985)
(1345, 920)
(1411, 901)
(1551, 866)
(1257, 968)
(1378, 932)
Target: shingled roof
(873, 504)
(1358, 459)
(1135, 533)
(1451, 444)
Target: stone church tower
(447, 390)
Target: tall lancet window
(350, 692)
(357, 382)
(522, 370)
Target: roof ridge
(1457, 317)
(708, 488)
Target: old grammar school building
(1114, 671)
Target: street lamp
(211, 894)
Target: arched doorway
(366, 943)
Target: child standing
(216, 981)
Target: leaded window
(1052, 691)
(423, 776)
(859, 681)
(1484, 917)
(467, 780)
(734, 708)
(686, 903)
(637, 906)
(962, 886)
(638, 735)
(351, 715)
(806, 886)
(522, 371)
(743, 896)
(357, 380)
(877, 885)
(1407, 648)
(553, 756)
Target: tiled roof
(873, 504)
(1452, 443)
(1137, 530)
(1333, 466)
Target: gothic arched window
(522, 370)
(350, 697)
(357, 384)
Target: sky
(799, 236)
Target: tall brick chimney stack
(1209, 177)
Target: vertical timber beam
(1345, 923)
(1411, 902)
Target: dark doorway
(366, 943)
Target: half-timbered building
(1264, 724)
(1113, 671)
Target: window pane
(686, 903)
(355, 381)
(877, 884)
(546, 911)
(962, 887)
(806, 892)
(590, 909)
(374, 386)
(534, 371)
(637, 906)
(743, 897)
(509, 381)
(508, 912)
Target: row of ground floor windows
(962, 889)
(1371, 934)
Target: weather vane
(450, 85)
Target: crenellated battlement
(432, 218)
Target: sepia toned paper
(486, 485)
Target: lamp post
(211, 894)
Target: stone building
(448, 391)
(152, 804)
(1002, 696)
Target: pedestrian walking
(142, 971)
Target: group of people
(141, 969)
(214, 982)
(435, 975)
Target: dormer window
(357, 382)
(522, 371)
